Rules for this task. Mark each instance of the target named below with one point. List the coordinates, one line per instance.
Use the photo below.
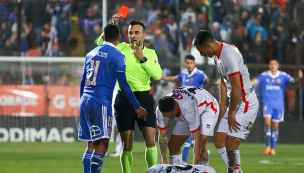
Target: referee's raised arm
(141, 65)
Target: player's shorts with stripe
(95, 120)
(277, 115)
(245, 115)
(208, 122)
(126, 116)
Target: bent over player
(103, 65)
(237, 120)
(273, 82)
(197, 113)
(166, 168)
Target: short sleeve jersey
(273, 88)
(196, 78)
(192, 102)
(101, 65)
(230, 62)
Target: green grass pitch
(66, 158)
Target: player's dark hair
(274, 60)
(111, 33)
(166, 104)
(134, 22)
(190, 57)
(203, 37)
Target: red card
(124, 11)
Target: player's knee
(219, 143)
(150, 141)
(232, 143)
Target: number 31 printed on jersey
(92, 80)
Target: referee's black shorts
(126, 115)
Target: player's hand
(232, 123)
(115, 18)
(138, 53)
(223, 109)
(300, 74)
(142, 113)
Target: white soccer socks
(223, 153)
(234, 161)
(175, 159)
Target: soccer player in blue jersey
(103, 66)
(191, 76)
(273, 82)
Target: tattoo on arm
(163, 145)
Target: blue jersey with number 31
(100, 66)
(273, 88)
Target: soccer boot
(267, 151)
(272, 152)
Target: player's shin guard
(204, 161)
(234, 161)
(267, 132)
(151, 156)
(86, 161)
(175, 159)
(223, 153)
(274, 138)
(96, 162)
(126, 161)
(186, 148)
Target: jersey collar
(108, 43)
(274, 76)
(192, 73)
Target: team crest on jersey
(191, 81)
(278, 81)
(176, 95)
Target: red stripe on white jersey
(212, 106)
(244, 96)
(164, 128)
(195, 129)
(231, 74)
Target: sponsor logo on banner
(16, 134)
(64, 101)
(22, 100)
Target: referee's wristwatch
(143, 60)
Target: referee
(141, 64)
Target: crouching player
(197, 113)
(166, 168)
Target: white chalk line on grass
(279, 163)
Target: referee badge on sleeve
(156, 62)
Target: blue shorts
(277, 115)
(95, 120)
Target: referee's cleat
(272, 152)
(267, 151)
(115, 154)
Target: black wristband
(143, 60)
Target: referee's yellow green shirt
(138, 74)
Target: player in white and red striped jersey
(237, 120)
(197, 112)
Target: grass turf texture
(66, 158)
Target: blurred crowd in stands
(261, 29)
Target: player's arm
(82, 82)
(223, 98)
(254, 82)
(151, 65)
(235, 100)
(120, 72)
(163, 144)
(196, 149)
(298, 79)
(170, 79)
